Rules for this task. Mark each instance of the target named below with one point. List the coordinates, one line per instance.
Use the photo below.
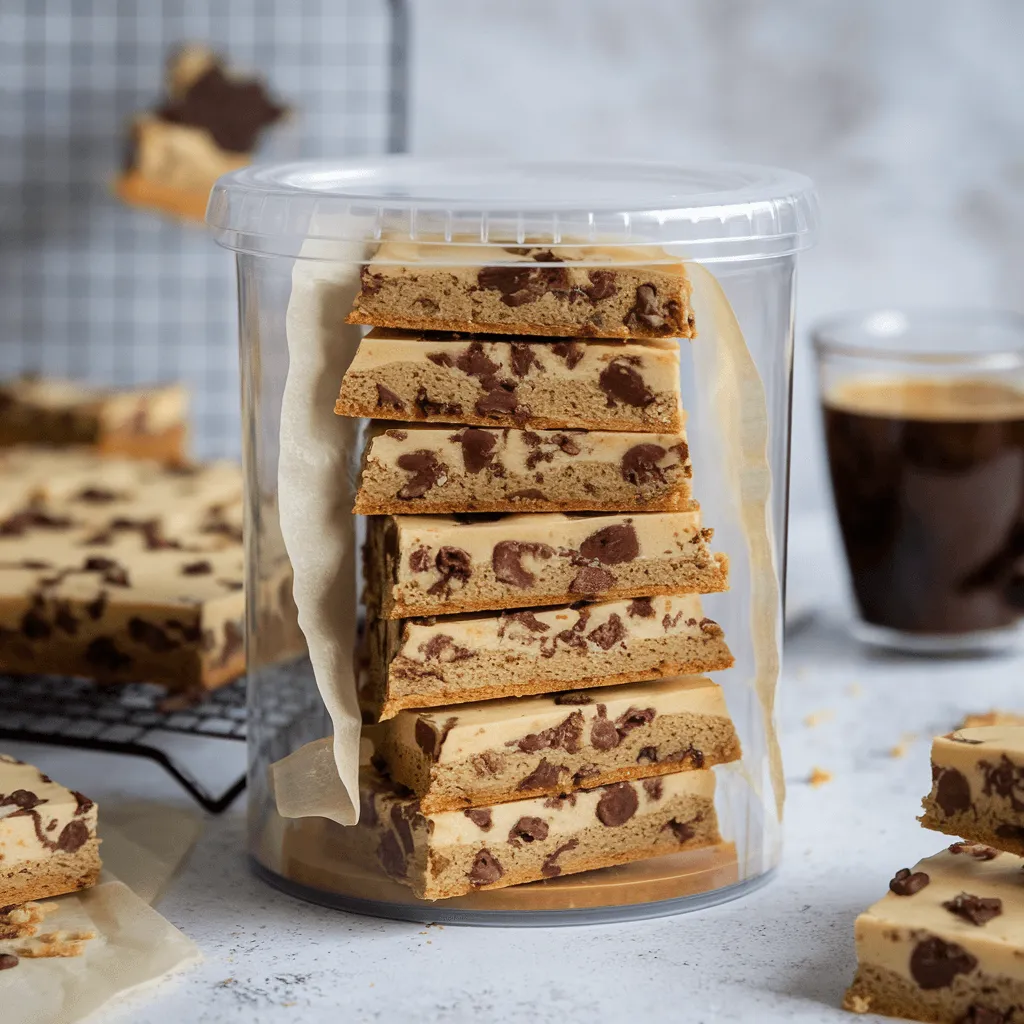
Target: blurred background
(908, 115)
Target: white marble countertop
(783, 953)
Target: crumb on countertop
(817, 717)
(901, 749)
(819, 777)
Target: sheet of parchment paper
(134, 947)
(316, 490)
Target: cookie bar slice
(502, 750)
(946, 943)
(138, 423)
(978, 786)
(439, 565)
(490, 381)
(450, 853)
(48, 843)
(475, 469)
(422, 663)
(568, 291)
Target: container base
(943, 645)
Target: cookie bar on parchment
(449, 853)
(576, 291)
(501, 750)
(493, 381)
(440, 565)
(414, 468)
(422, 663)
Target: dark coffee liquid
(928, 479)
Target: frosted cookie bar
(473, 469)
(421, 663)
(138, 423)
(450, 853)
(490, 381)
(434, 565)
(946, 943)
(586, 291)
(48, 843)
(978, 786)
(502, 750)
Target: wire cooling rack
(140, 719)
(94, 290)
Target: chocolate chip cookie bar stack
(533, 568)
(947, 942)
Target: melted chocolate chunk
(640, 465)
(477, 448)
(202, 568)
(952, 792)
(608, 634)
(550, 868)
(976, 850)
(34, 626)
(682, 830)
(474, 362)
(617, 805)
(647, 755)
(440, 358)
(103, 653)
(654, 788)
(82, 803)
(522, 285)
(23, 799)
(570, 351)
(96, 495)
(486, 869)
(622, 383)
(523, 358)
(429, 407)
(592, 580)
(150, 635)
(419, 560)
(500, 400)
(398, 435)
(453, 564)
(507, 561)
(646, 313)
(1005, 779)
(602, 285)
(544, 776)
(480, 816)
(386, 398)
(566, 736)
(978, 910)
(604, 735)
(573, 697)
(74, 836)
(641, 607)
(528, 830)
(613, 545)
(935, 963)
(444, 648)
(425, 469)
(96, 608)
(7, 961)
(904, 883)
(634, 718)
(524, 618)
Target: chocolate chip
(609, 633)
(453, 564)
(566, 736)
(387, 398)
(34, 626)
(474, 362)
(647, 313)
(953, 791)
(634, 718)
(528, 830)
(523, 358)
(978, 910)
(544, 776)
(524, 618)
(592, 580)
(573, 697)
(620, 381)
(83, 804)
(398, 435)
(640, 607)
(24, 799)
(150, 635)
(604, 735)
(440, 358)
(617, 805)
(73, 837)
(1005, 779)
(500, 400)
(507, 561)
(477, 448)
(570, 351)
(647, 755)
(654, 788)
(97, 607)
(442, 647)
(480, 816)
(549, 868)
(103, 653)
(486, 869)
(426, 471)
(935, 963)
(7, 961)
(602, 285)
(976, 850)
(613, 545)
(904, 883)
(522, 285)
(640, 464)
(682, 830)
(203, 568)
(419, 560)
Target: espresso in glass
(928, 480)
(924, 429)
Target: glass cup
(924, 429)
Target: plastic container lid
(707, 212)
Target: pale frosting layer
(463, 257)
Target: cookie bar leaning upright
(946, 943)
(520, 747)
(475, 469)
(978, 786)
(48, 843)
(421, 663)
(450, 853)
(490, 380)
(576, 291)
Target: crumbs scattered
(59, 943)
(854, 690)
(817, 717)
(819, 777)
(907, 740)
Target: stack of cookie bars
(533, 566)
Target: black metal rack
(132, 719)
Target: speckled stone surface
(784, 953)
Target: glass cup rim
(825, 334)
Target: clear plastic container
(303, 233)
